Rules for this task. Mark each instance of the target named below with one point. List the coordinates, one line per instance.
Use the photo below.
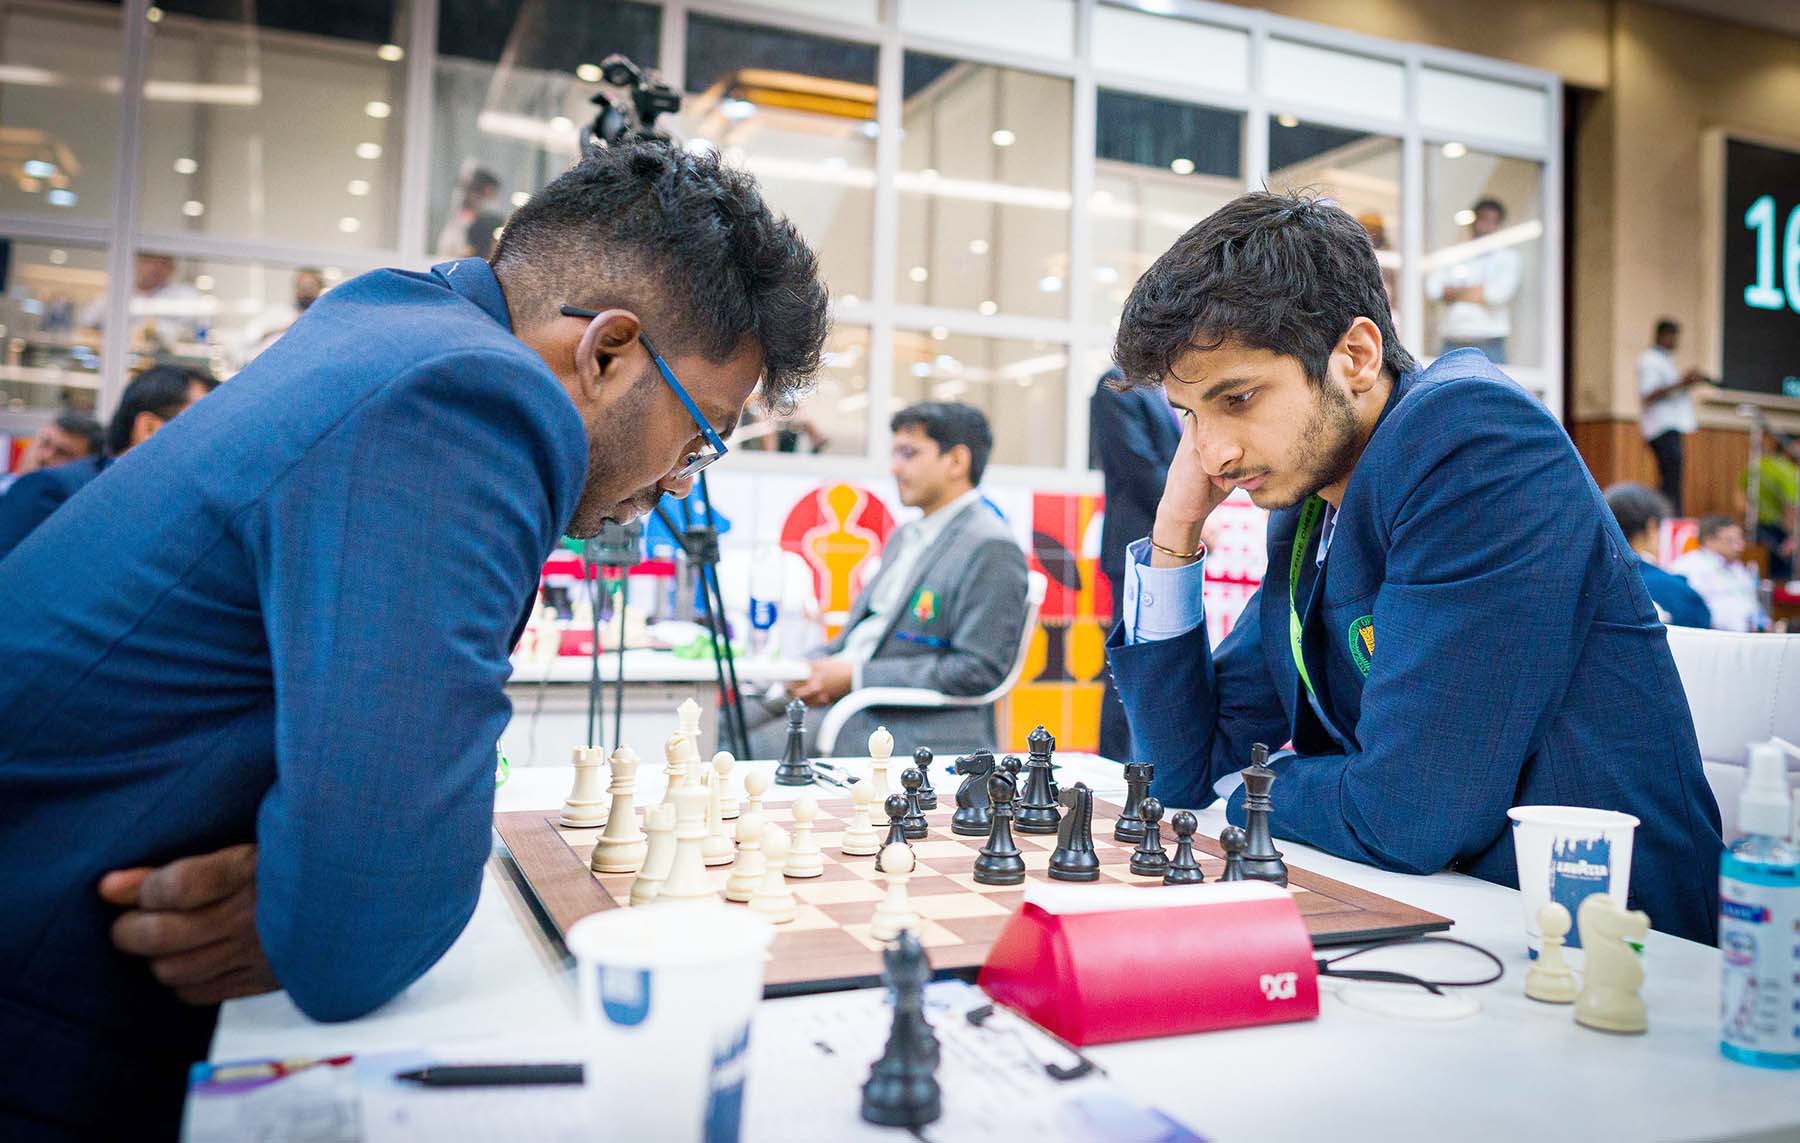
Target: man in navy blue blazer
(1451, 624)
(222, 640)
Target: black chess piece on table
(1075, 859)
(914, 821)
(902, 1090)
(1149, 859)
(1037, 810)
(1262, 861)
(896, 834)
(1000, 862)
(1137, 787)
(1231, 840)
(1184, 870)
(922, 759)
(795, 770)
(1012, 766)
(974, 812)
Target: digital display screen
(1761, 287)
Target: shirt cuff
(1160, 603)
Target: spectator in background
(165, 313)
(70, 437)
(1778, 502)
(309, 284)
(1476, 293)
(1668, 414)
(1716, 570)
(1132, 437)
(1640, 512)
(478, 194)
(152, 399)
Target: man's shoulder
(1459, 396)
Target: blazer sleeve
(990, 619)
(1480, 620)
(1134, 468)
(27, 504)
(393, 561)
(1193, 713)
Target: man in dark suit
(1132, 434)
(227, 642)
(1519, 659)
(148, 403)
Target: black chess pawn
(1075, 859)
(1231, 840)
(914, 822)
(1262, 861)
(1130, 827)
(795, 770)
(1000, 862)
(896, 830)
(1013, 767)
(974, 812)
(1149, 859)
(922, 759)
(1037, 810)
(1184, 870)
(902, 1090)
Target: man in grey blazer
(945, 611)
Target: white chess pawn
(586, 807)
(756, 784)
(688, 879)
(622, 848)
(747, 874)
(1609, 998)
(677, 752)
(773, 899)
(881, 748)
(1549, 979)
(716, 848)
(861, 839)
(659, 854)
(687, 716)
(723, 764)
(895, 912)
(803, 858)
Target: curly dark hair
(1283, 272)
(685, 241)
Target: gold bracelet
(1197, 553)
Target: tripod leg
(619, 683)
(740, 727)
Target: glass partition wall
(983, 183)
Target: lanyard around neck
(1309, 519)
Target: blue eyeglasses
(715, 445)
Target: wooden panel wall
(1713, 463)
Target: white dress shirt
(1656, 370)
(1497, 273)
(1730, 590)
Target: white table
(1517, 1069)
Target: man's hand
(195, 919)
(829, 681)
(1188, 498)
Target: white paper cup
(1566, 853)
(667, 993)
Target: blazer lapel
(926, 561)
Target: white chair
(1741, 688)
(918, 698)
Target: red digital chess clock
(1096, 965)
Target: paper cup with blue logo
(1564, 854)
(667, 993)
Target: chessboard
(827, 945)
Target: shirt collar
(933, 525)
(474, 279)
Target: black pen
(492, 1075)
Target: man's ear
(962, 459)
(610, 336)
(144, 426)
(1361, 349)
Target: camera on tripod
(630, 101)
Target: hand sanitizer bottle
(1759, 922)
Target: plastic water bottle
(1759, 922)
(765, 598)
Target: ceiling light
(358, 187)
(849, 299)
(193, 208)
(700, 146)
(520, 198)
(1182, 166)
(368, 150)
(918, 273)
(921, 369)
(349, 225)
(186, 166)
(58, 257)
(38, 168)
(1003, 138)
(61, 198)
(1106, 275)
(946, 362)
(392, 53)
(978, 246)
(1050, 284)
(871, 129)
(940, 333)
(588, 73)
(154, 15)
(204, 282)
(1454, 150)
(562, 124)
(988, 308)
(332, 273)
(1287, 121)
(376, 109)
(737, 109)
(1465, 217)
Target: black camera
(630, 102)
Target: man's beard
(1326, 451)
(605, 471)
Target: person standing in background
(478, 195)
(1777, 501)
(1476, 293)
(309, 284)
(1132, 437)
(1668, 415)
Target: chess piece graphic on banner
(881, 748)
(895, 912)
(724, 764)
(922, 760)
(1262, 861)
(659, 854)
(586, 807)
(803, 857)
(747, 873)
(622, 848)
(1549, 978)
(1000, 862)
(773, 899)
(1612, 972)
(1074, 858)
(795, 770)
(1130, 827)
(974, 811)
(1150, 859)
(1036, 809)
(861, 839)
